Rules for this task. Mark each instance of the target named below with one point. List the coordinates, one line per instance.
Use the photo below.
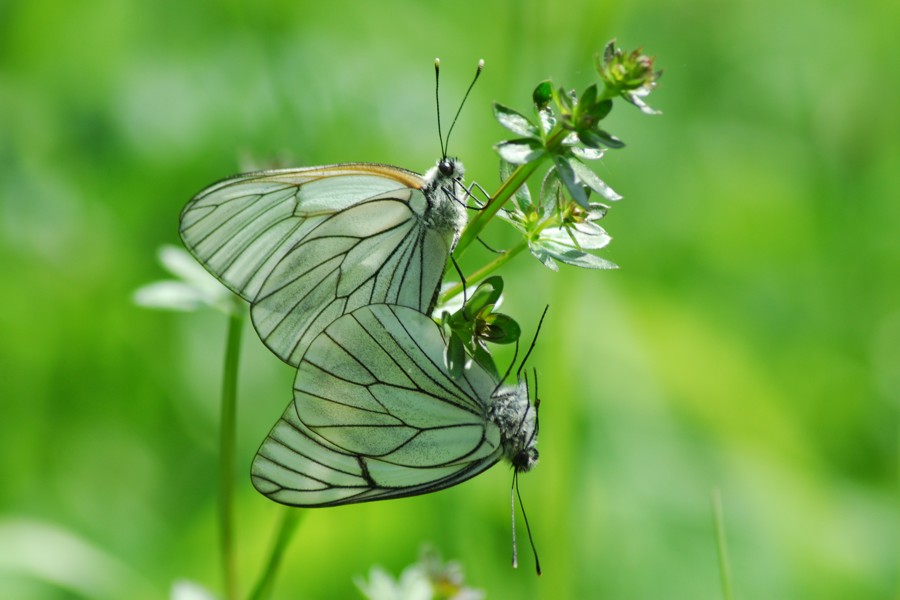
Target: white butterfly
(305, 246)
(376, 415)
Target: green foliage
(469, 329)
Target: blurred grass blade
(289, 521)
(719, 526)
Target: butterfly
(376, 415)
(307, 245)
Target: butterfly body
(377, 415)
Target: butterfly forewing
(305, 246)
(377, 415)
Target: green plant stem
(289, 521)
(227, 434)
(486, 270)
(505, 192)
(719, 526)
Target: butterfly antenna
(513, 493)
(537, 405)
(511, 363)
(533, 341)
(525, 414)
(437, 103)
(537, 562)
(478, 71)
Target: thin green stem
(486, 270)
(289, 521)
(518, 177)
(719, 526)
(504, 193)
(227, 453)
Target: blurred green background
(750, 342)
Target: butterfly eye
(446, 167)
(525, 460)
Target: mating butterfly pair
(341, 265)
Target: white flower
(194, 288)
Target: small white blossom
(194, 288)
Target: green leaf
(590, 179)
(455, 355)
(588, 153)
(588, 98)
(551, 192)
(581, 236)
(609, 139)
(502, 329)
(564, 168)
(522, 195)
(636, 99)
(609, 53)
(595, 138)
(506, 169)
(515, 121)
(542, 255)
(548, 120)
(520, 151)
(484, 358)
(574, 257)
(487, 293)
(564, 100)
(599, 110)
(542, 94)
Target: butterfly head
(447, 172)
(450, 168)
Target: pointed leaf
(522, 195)
(581, 236)
(542, 255)
(599, 110)
(564, 100)
(590, 179)
(636, 99)
(548, 120)
(597, 137)
(551, 192)
(520, 151)
(574, 257)
(567, 176)
(588, 97)
(501, 329)
(514, 121)
(486, 294)
(506, 169)
(589, 153)
(455, 356)
(484, 358)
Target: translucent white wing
(374, 252)
(377, 415)
(240, 227)
(305, 246)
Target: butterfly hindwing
(377, 415)
(373, 252)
